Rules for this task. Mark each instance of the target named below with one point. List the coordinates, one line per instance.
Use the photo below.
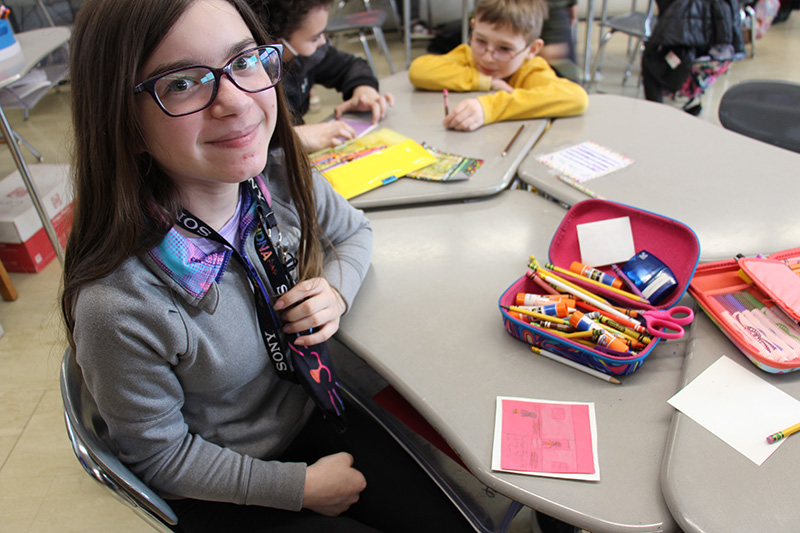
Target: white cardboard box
(24, 245)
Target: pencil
(775, 437)
(590, 281)
(576, 366)
(446, 103)
(513, 139)
(574, 183)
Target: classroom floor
(42, 486)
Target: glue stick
(597, 275)
(581, 323)
(559, 309)
(526, 298)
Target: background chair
(359, 23)
(86, 430)
(767, 110)
(637, 25)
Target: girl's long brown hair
(124, 203)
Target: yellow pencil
(775, 437)
(573, 275)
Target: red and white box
(24, 245)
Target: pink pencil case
(670, 240)
(756, 304)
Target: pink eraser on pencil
(770, 439)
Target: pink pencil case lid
(673, 242)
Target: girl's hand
(332, 485)
(366, 98)
(311, 304)
(466, 116)
(324, 135)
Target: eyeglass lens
(191, 89)
(502, 55)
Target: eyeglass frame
(149, 85)
(492, 52)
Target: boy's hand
(466, 116)
(499, 84)
(366, 98)
(332, 485)
(311, 304)
(324, 135)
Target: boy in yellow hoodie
(501, 57)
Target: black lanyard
(306, 365)
(277, 264)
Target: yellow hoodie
(538, 91)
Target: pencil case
(670, 240)
(756, 303)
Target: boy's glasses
(501, 55)
(188, 90)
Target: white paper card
(606, 241)
(739, 407)
(585, 161)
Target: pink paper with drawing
(546, 438)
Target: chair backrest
(767, 110)
(86, 430)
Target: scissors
(658, 321)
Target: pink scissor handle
(658, 322)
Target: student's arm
(538, 92)
(453, 71)
(348, 250)
(316, 137)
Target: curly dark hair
(282, 17)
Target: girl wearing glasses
(501, 57)
(176, 106)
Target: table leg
(464, 21)
(587, 53)
(30, 185)
(407, 30)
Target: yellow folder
(373, 170)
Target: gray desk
(427, 320)
(709, 486)
(36, 45)
(419, 115)
(738, 194)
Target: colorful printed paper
(585, 161)
(546, 438)
(448, 167)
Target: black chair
(767, 110)
(86, 428)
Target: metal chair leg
(634, 53)
(598, 59)
(363, 39)
(383, 46)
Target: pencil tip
(615, 381)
